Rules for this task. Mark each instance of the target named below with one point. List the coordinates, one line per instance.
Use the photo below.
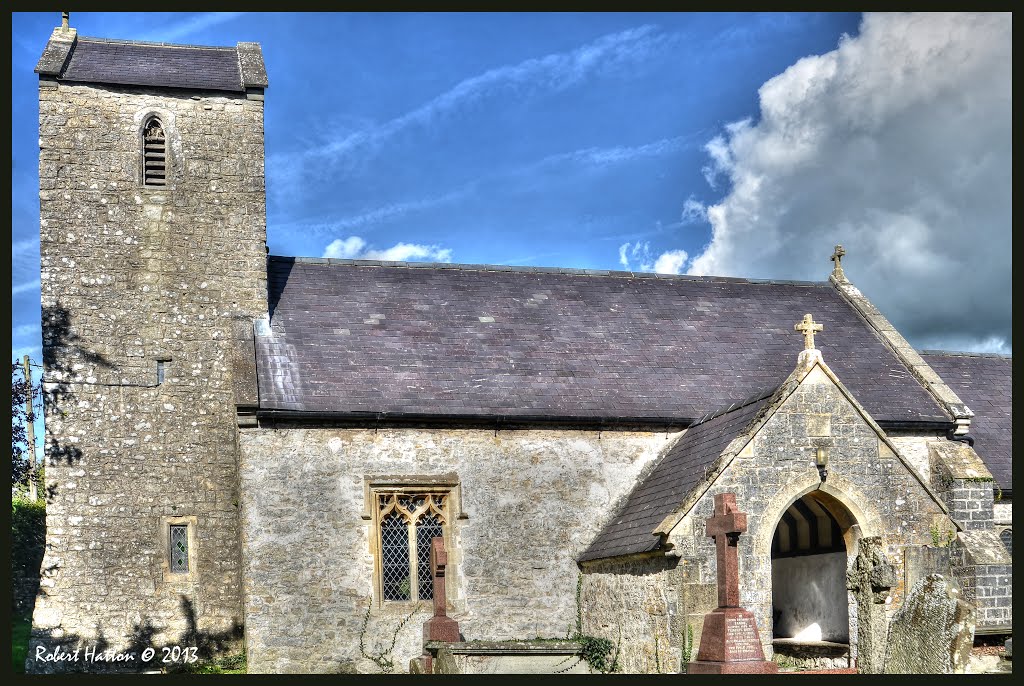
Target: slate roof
(99, 60)
(361, 338)
(678, 472)
(984, 383)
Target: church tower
(153, 252)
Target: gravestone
(729, 642)
(932, 633)
(870, 580)
(440, 627)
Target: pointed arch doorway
(810, 602)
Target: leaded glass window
(179, 548)
(394, 547)
(408, 523)
(427, 528)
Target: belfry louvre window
(154, 151)
(407, 523)
(178, 540)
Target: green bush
(28, 540)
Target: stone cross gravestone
(729, 642)
(440, 627)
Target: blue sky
(731, 144)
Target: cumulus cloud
(639, 253)
(896, 145)
(355, 248)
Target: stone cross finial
(837, 257)
(725, 527)
(808, 327)
(64, 17)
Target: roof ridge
(964, 353)
(536, 270)
(121, 41)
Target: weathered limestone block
(870, 579)
(932, 633)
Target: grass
(21, 628)
(229, 664)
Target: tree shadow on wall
(141, 638)
(61, 349)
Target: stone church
(252, 451)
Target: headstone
(933, 632)
(440, 627)
(870, 580)
(729, 642)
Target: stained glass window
(394, 540)
(427, 528)
(179, 548)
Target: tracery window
(154, 153)
(407, 522)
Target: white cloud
(693, 211)
(668, 262)
(551, 73)
(345, 248)
(24, 330)
(896, 145)
(354, 248)
(25, 287)
(194, 24)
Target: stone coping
(541, 647)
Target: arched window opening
(154, 149)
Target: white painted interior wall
(810, 592)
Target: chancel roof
(369, 339)
(985, 384)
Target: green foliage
(940, 538)
(28, 536)
(21, 630)
(229, 664)
(687, 648)
(20, 392)
(596, 652)
(382, 658)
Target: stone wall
(530, 500)
(131, 276)
(642, 605)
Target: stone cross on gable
(808, 327)
(64, 17)
(837, 257)
(725, 527)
